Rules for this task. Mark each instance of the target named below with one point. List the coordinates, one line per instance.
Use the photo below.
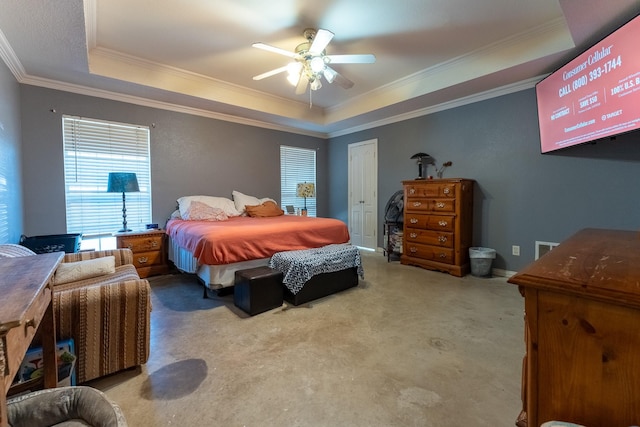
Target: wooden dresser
(27, 305)
(149, 249)
(438, 220)
(582, 311)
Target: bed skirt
(212, 276)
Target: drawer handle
(416, 204)
(412, 191)
(440, 205)
(154, 244)
(31, 323)
(414, 235)
(143, 260)
(443, 223)
(413, 249)
(413, 220)
(442, 239)
(443, 255)
(446, 190)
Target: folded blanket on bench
(300, 266)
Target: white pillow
(241, 200)
(223, 203)
(86, 269)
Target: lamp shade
(306, 189)
(122, 182)
(424, 158)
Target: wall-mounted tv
(596, 95)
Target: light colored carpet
(407, 347)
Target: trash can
(481, 260)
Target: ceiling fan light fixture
(316, 84)
(293, 70)
(316, 64)
(330, 74)
(293, 79)
(311, 62)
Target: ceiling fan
(311, 62)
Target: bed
(215, 249)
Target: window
(297, 165)
(92, 149)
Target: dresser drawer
(21, 336)
(431, 222)
(146, 259)
(429, 237)
(415, 204)
(432, 189)
(432, 253)
(142, 243)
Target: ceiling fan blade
(302, 85)
(270, 73)
(320, 41)
(352, 59)
(274, 49)
(342, 81)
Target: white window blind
(297, 165)
(92, 149)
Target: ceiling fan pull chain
(310, 98)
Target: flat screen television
(595, 96)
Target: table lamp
(123, 182)
(423, 159)
(306, 189)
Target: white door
(363, 193)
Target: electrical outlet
(515, 250)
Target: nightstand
(149, 250)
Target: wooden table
(26, 292)
(582, 308)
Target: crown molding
(531, 44)
(482, 96)
(10, 58)
(146, 102)
(551, 30)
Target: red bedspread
(245, 238)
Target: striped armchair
(107, 316)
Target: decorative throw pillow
(266, 209)
(86, 269)
(241, 200)
(198, 211)
(223, 203)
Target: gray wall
(521, 195)
(11, 224)
(189, 155)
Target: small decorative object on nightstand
(149, 251)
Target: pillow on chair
(86, 269)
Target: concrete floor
(407, 347)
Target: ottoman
(257, 290)
(310, 274)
